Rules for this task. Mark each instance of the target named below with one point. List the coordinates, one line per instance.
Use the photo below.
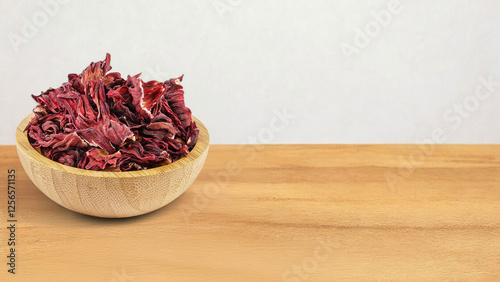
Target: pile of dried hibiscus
(101, 121)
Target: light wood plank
(439, 223)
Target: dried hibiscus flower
(101, 121)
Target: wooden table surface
(281, 213)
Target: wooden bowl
(111, 194)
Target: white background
(245, 60)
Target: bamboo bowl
(111, 194)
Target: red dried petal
(175, 96)
(100, 121)
(98, 159)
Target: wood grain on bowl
(111, 194)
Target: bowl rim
(25, 147)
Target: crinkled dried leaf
(100, 121)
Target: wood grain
(111, 194)
(283, 213)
